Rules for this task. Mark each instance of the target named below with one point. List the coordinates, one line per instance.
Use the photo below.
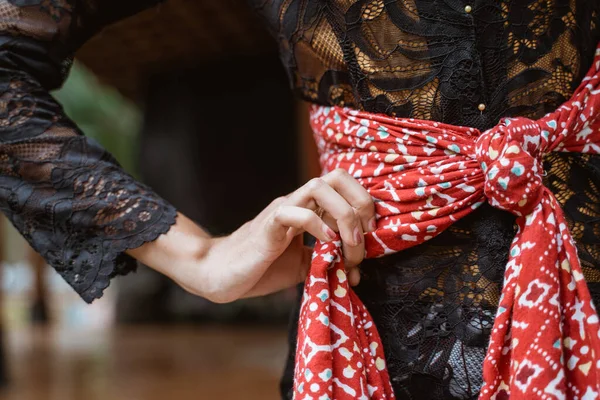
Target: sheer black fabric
(457, 61)
(466, 63)
(65, 194)
(433, 59)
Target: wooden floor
(145, 363)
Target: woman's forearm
(221, 269)
(265, 254)
(178, 253)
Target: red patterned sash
(424, 176)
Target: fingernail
(357, 236)
(329, 232)
(372, 224)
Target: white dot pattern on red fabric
(424, 176)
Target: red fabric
(423, 176)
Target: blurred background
(173, 93)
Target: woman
(450, 61)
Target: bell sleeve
(64, 193)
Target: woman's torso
(464, 62)
(436, 59)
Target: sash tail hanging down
(424, 176)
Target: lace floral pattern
(465, 63)
(435, 60)
(66, 195)
(457, 61)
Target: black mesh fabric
(65, 194)
(464, 62)
(458, 61)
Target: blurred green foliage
(102, 114)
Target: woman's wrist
(220, 269)
(230, 267)
(178, 253)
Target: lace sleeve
(65, 194)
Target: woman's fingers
(317, 192)
(299, 219)
(354, 276)
(348, 209)
(353, 255)
(356, 195)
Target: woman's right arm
(87, 217)
(267, 253)
(64, 193)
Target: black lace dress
(466, 62)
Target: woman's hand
(267, 254)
